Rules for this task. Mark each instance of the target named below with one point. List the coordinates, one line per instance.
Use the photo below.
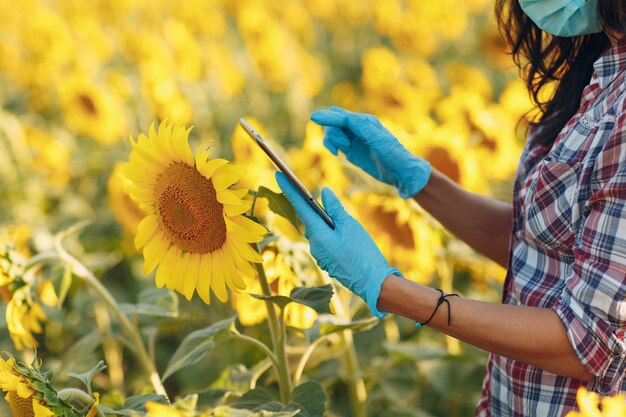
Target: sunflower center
(20, 407)
(87, 104)
(188, 210)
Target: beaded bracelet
(440, 301)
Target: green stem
(354, 377)
(305, 358)
(131, 332)
(278, 335)
(262, 346)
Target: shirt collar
(611, 63)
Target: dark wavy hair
(543, 59)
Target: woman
(563, 240)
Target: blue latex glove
(347, 253)
(371, 147)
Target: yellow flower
(282, 280)
(403, 235)
(92, 110)
(162, 410)
(23, 316)
(24, 401)
(126, 211)
(589, 403)
(196, 232)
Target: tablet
(288, 173)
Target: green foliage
(280, 205)
(197, 344)
(318, 298)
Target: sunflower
(126, 211)
(30, 393)
(282, 279)
(195, 231)
(589, 403)
(404, 235)
(23, 295)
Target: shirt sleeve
(593, 304)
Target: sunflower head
(29, 391)
(195, 234)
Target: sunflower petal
(236, 279)
(217, 276)
(208, 168)
(246, 252)
(251, 225)
(204, 278)
(153, 253)
(146, 228)
(237, 210)
(228, 197)
(191, 277)
(166, 266)
(222, 182)
(241, 234)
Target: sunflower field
(149, 264)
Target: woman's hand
(371, 147)
(347, 253)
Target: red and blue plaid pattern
(568, 250)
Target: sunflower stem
(277, 334)
(262, 346)
(132, 332)
(350, 361)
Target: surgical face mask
(564, 17)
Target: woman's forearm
(483, 223)
(528, 334)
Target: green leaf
(327, 324)
(86, 377)
(318, 298)
(280, 205)
(197, 344)
(280, 300)
(333, 324)
(153, 302)
(413, 351)
(227, 411)
(138, 402)
(310, 398)
(64, 288)
(255, 399)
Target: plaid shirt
(568, 250)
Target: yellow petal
(154, 252)
(41, 410)
(204, 278)
(228, 197)
(191, 277)
(207, 169)
(166, 267)
(250, 225)
(231, 270)
(237, 210)
(246, 252)
(241, 234)
(222, 182)
(217, 276)
(180, 272)
(146, 229)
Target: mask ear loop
(442, 299)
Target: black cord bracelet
(440, 301)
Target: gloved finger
(367, 128)
(335, 139)
(332, 205)
(330, 117)
(312, 220)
